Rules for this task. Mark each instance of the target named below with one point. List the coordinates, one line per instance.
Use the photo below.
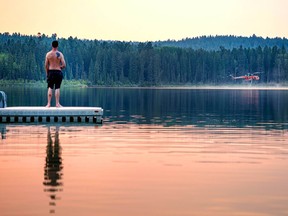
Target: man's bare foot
(58, 106)
(48, 106)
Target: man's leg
(49, 96)
(57, 97)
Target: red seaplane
(248, 77)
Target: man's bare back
(54, 60)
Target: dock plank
(10, 114)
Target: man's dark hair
(55, 44)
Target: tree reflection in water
(53, 168)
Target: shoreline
(197, 87)
(84, 84)
(41, 83)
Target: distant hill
(227, 42)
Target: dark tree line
(229, 42)
(127, 63)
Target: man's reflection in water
(53, 168)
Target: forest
(229, 42)
(118, 63)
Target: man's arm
(46, 64)
(62, 60)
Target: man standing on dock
(54, 63)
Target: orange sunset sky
(145, 20)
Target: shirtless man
(54, 63)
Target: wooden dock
(52, 114)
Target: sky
(145, 20)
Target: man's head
(55, 44)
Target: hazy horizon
(168, 39)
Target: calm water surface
(159, 152)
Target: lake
(159, 152)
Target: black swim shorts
(54, 78)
